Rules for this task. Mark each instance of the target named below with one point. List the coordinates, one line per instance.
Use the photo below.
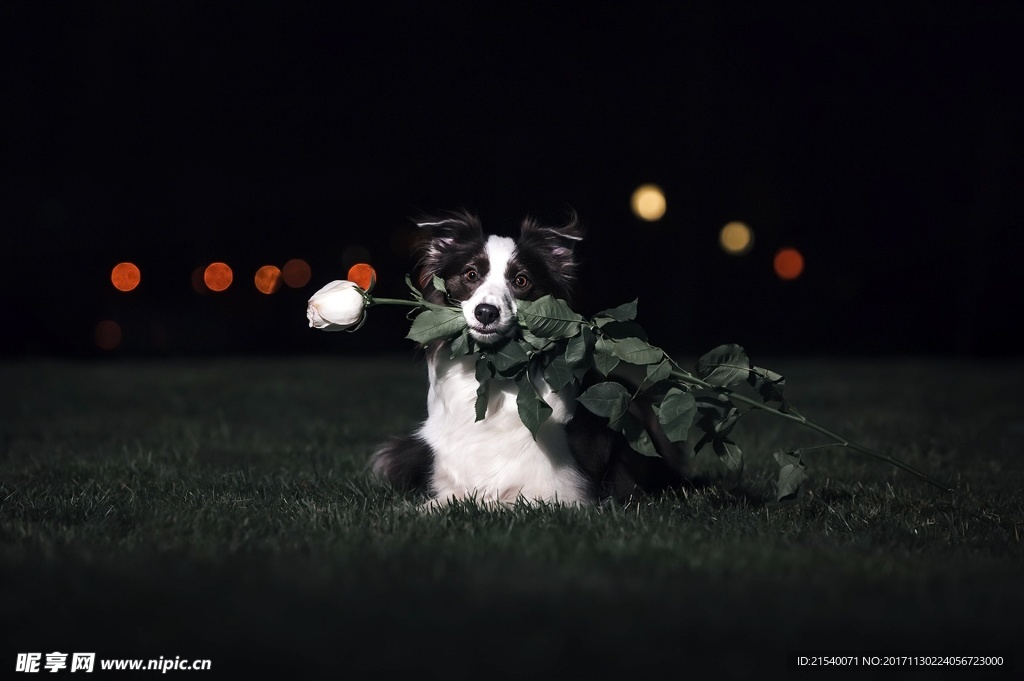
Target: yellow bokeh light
(218, 276)
(648, 202)
(125, 276)
(736, 238)
(296, 273)
(268, 279)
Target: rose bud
(338, 306)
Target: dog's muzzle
(489, 323)
(487, 314)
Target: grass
(219, 509)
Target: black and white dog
(575, 458)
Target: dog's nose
(486, 313)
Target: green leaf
(717, 413)
(416, 294)
(579, 353)
(708, 437)
(549, 317)
(638, 437)
(623, 330)
(438, 283)
(436, 323)
(533, 411)
(608, 399)
(509, 358)
(769, 385)
(636, 351)
(728, 453)
(535, 341)
(604, 359)
(576, 349)
(557, 372)
(658, 372)
(623, 313)
(484, 373)
(724, 366)
(462, 344)
(792, 475)
(676, 413)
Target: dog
(575, 459)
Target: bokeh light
(736, 238)
(125, 276)
(648, 202)
(363, 276)
(789, 263)
(296, 273)
(268, 279)
(218, 276)
(108, 334)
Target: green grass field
(219, 509)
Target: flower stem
(393, 301)
(840, 441)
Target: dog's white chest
(497, 458)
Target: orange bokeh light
(268, 279)
(789, 263)
(108, 334)
(218, 276)
(125, 276)
(362, 275)
(296, 273)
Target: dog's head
(488, 274)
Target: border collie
(575, 458)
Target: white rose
(336, 307)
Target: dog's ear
(560, 242)
(447, 235)
(451, 228)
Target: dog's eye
(471, 275)
(521, 281)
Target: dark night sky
(883, 140)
